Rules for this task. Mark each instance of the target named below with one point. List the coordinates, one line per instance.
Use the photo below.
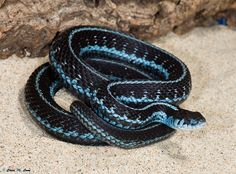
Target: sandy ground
(211, 57)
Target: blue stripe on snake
(128, 90)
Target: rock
(1, 2)
(27, 27)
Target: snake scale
(128, 90)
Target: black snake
(128, 90)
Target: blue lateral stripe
(128, 57)
(131, 99)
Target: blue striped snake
(128, 90)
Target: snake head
(189, 120)
(178, 118)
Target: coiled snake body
(128, 90)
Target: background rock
(28, 26)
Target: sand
(211, 57)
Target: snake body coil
(128, 90)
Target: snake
(128, 91)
